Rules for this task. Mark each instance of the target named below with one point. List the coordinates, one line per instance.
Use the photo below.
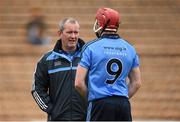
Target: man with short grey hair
(53, 85)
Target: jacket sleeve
(40, 87)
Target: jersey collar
(112, 36)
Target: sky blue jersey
(109, 60)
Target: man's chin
(72, 46)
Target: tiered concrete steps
(152, 26)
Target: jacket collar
(58, 45)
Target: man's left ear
(59, 33)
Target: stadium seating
(152, 26)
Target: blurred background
(152, 26)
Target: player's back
(111, 61)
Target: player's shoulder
(90, 43)
(125, 41)
(128, 45)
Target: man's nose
(74, 34)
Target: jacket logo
(57, 63)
